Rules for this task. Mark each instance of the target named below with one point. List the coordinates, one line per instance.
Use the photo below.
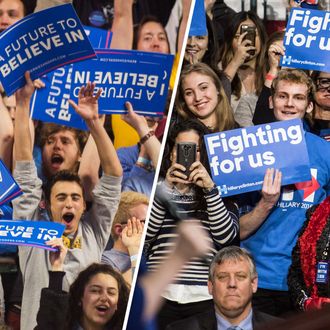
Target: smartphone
(186, 155)
(251, 35)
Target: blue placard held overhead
(307, 40)
(40, 43)
(9, 189)
(30, 233)
(198, 20)
(141, 78)
(99, 38)
(239, 158)
(51, 104)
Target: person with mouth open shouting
(86, 232)
(97, 299)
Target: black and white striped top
(219, 218)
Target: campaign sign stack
(30, 233)
(198, 20)
(9, 189)
(51, 104)
(239, 158)
(99, 38)
(41, 42)
(141, 78)
(307, 40)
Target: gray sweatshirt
(94, 228)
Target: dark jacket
(208, 321)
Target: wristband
(144, 161)
(134, 257)
(148, 168)
(270, 76)
(212, 190)
(147, 136)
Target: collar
(245, 324)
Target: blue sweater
(272, 244)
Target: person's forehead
(290, 87)
(153, 28)
(196, 77)
(187, 136)
(235, 265)
(64, 133)
(139, 211)
(103, 280)
(66, 187)
(246, 22)
(324, 75)
(12, 5)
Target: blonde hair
(128, 200)
(295, 76)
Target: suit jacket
(208, 321)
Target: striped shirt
(219, 219)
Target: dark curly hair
(63, 175)
(175, 130)
(77, 289)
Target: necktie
(234, 327)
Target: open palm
(87, 106)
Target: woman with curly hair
(96, 300)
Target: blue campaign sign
(141, 78)
(30, 233)
(307, 40)
(198, 20)
(40, 43)
(99, 38)
(51, 104)
(239, 158)
(9, 189)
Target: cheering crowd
(245, 262)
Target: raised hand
(132, 234)
(241, 54)
(192, 241)
(275, 51)
(23, 95)
(138, 122)
(175, 175)
(38, 84)
(199, 176)
(87, 106)
(271, 187)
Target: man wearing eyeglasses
(321, 113)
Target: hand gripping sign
(307, 40)
(239, 158)
(30, 233)
(40, 43)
